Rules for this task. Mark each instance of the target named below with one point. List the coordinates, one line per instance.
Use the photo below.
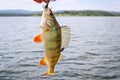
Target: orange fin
(38, 1)
(42, 62)
(38, 38)
(48, 74)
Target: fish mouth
(46, 6)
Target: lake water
(93, 53)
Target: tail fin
(49, 74)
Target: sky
(108, 5)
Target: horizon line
(63, 10)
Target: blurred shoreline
(59, 13)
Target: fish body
(55, 39)
(51, 37)
(51, 33)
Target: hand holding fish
(45, 1)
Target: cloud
(67, 5)
(17, 4)
(115, 8)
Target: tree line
(66, 13)
(88, 13)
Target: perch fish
(55, 39)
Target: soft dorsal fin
(65, 30)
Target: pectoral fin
(38, 39)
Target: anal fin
(42, 62)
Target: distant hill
(19, 13)
(59, 13)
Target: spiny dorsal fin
(65, 30)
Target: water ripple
(93, 52)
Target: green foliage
(86, 13)
(62, 13)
